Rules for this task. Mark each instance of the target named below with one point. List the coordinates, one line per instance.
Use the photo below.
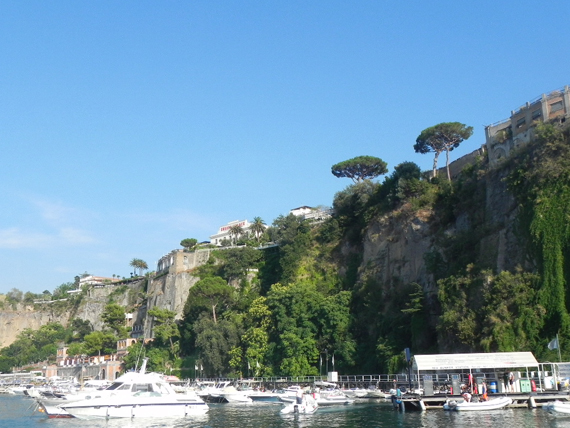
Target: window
(521, 122)
(554, 107)
(142, 387)
(536, 114)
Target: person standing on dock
(506, 382)
(511, 382)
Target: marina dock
(520, 400)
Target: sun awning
(496, 360)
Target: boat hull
(52, 410)
(558, 407)
(135, 409)
(493, 404)
(299, 408)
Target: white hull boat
(308, 406)
(233, 395)
(331, 399)
(376, 393)
(51, 408)
(140, 405)
(355, 393)
(136, 395)
(265, 397)
(557, 407)
(492, 404)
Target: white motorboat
(307, 406)
(50, 406)
(136, 395)
(19, 389)
(212, 392)
(265, 396)
(558, 407)
(327, 394)
(50, 400)
(331, 399)
(355, 392)
(373, 392)
(234, 395)
(492, 404)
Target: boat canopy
(495, 360)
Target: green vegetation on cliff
(291, 309)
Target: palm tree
(142, 266)
(257, 227)
(236, 231)
(134, 264)
(138, 264)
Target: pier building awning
(492, 360)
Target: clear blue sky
(127, 126)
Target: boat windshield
(115, 385)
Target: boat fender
(532, 403)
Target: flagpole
(558, 343)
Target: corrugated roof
(499, 360)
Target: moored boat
(234, 395)
(135, 395)
(557, 407)
(307, 406)
(492, 404)
(51, 408)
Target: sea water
(21, 412)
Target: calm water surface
(20, 412)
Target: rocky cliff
(479, 228)
(88, 306)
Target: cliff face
(169, 292)
(393, 249)
(483, 230)
(15, 320)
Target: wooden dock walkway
(526, 400)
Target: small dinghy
(557, 407)
(493, 404)
(307, 406)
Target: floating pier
(525, 400)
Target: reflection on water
(19, 412)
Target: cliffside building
(180, 261)
(224, 231)
(97, 280)
(504, 136)
(310, 213)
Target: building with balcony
(310, 213)
(224, 234)
(502, 137)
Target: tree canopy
(444, 136)
(189, 243)
(114, 317)
(209, 293)
(360, 168)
